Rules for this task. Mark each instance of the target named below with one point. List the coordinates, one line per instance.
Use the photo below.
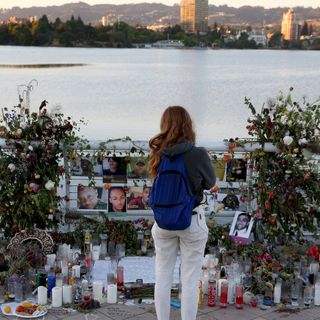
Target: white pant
(192, 243)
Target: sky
(231, 3)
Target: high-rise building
(289, 26)
(194, 15)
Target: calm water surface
(123, 92)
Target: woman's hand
(215, 188)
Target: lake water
(123, 92)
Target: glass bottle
(77, 291)
(87, 242)
(317, 291)
(11, 288)
(295, 290)
(103, 246)
(51, 282)
(200, 293)
(231, 287)
(277, 292)
(314, 268)
(205, 281)
(307, 294)
(83, 266)
(120, 277)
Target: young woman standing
(178, 137)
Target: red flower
(271, 195)
(267, 205)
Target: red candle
(224, 294)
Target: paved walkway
(146, 312)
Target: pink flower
(34, 186)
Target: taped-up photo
(114, 170)
(138, 198)
(117, 199)
(83, 167)
(241, 226)
(229, 197)
(137, 168)
(92, 198)
(236, 170)
(220, 168)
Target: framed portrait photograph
(114, 170)
(229, 197)
(92, 198)
(236, 170)
(83, 167)
(241, 227)
(117, 199)
(137, 168)
(220, 169)
(138, 198)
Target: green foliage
(276, 40)
(31, 166)
(286, 185)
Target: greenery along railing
(279, 185)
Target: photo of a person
(117, 199)
(237, 170)
(88, 198)
(114, 170)
(84, 166)
(241, 225)
(139, 170)
(219, 166)
(139, 198)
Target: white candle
(67, 294)
(64, 271)
(95, 253)
(112, 293)
(56, 297)
(76, 271)
(97, 287)
(42, 295)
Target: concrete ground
(144, 311)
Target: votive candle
(67, 294)
(42, 295)
(56, 297)
(112, 293)
(97, 288)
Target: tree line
(74, 33)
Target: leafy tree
(5, 36)
(276, 40)
(41, 31)
(22, 35)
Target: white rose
(30, 148)
(287, 140)
(19, 132)
(11, 167)
(49, 185)
(303, 141)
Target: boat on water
(168, 44)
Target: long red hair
(175, 127)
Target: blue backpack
(170, 198)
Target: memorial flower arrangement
(285, 183)
(33, 147)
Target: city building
(194, 16)
(259, 37)
(289, 26)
